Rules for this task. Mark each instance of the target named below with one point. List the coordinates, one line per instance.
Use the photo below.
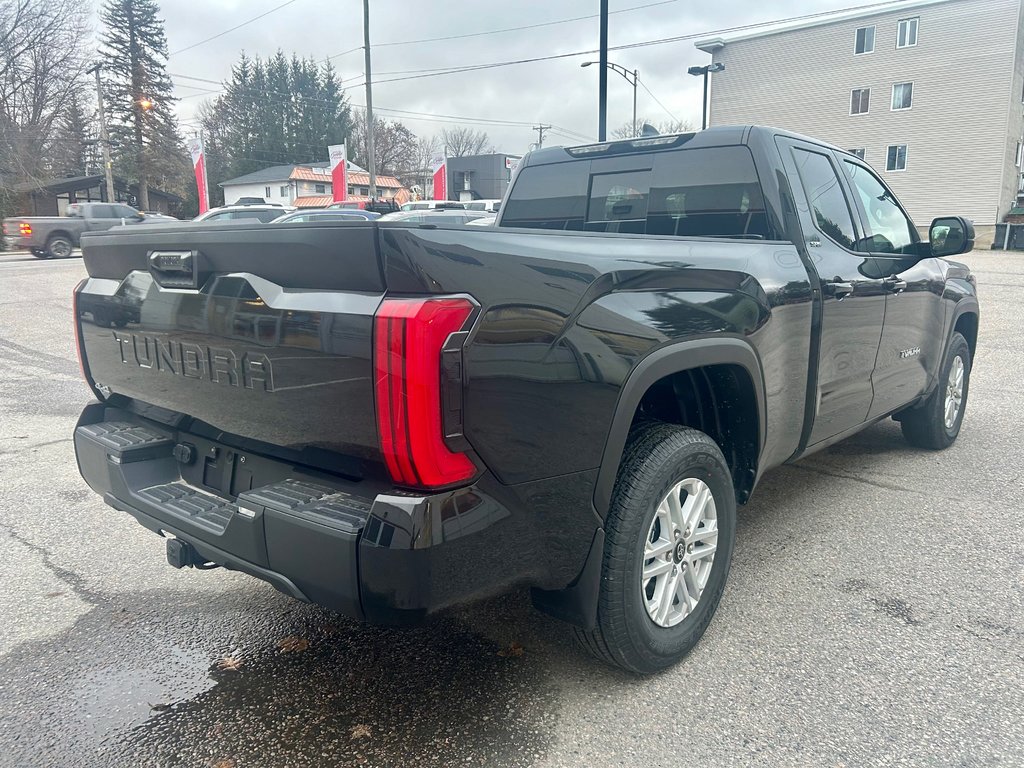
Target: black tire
(40, 254)
(657, 457)
(59, 247)
(924, 426)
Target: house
(929, 92)
(308, 185)
(51, 197)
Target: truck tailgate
(263, 333)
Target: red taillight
(25, 229)
(409, 335)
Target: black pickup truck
(390, 419)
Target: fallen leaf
(513, 650)
(292, 644)
(230, 663)
(224, 762)
(360, 732)
(159, 707)
(54, 594)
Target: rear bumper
(382, 556)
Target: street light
(703, 72)
(631, 77)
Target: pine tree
(139, 100)
(278, 111)
(74, 146)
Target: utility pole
(104, 138)
(540, 134)
(602, 87)
(369, 101)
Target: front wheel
(935, 424)
(668, 546)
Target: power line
(232, 29)
(657, 100)
(507, 29)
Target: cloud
(556, 92)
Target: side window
(124, 212)
(825, 195)
(102, 212)
(889, 229)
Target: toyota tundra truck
(390, 419)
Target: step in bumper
(381, 556)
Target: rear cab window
(706, 192)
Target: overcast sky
(556, 92)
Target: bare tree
(42, 62)
(394, 145)
(625, 131)
(460, 142)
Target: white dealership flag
(339, 171)
(439, 166)
(195, 149)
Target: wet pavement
(874, 614)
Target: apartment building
(929, 92)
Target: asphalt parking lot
(874, 615)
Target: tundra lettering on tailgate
(251, 370)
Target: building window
(284, 191)
(859, 99)
(320, 189)
(364, 191)
(902, 95)
(906, 33)
(1020, 154)
(266, 192)
(896, 157)
(858, 152)
(864, 40)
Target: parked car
(255, 201)
(491, 206)
(321, 215)
(374, 206)
(576, 399)
(262, 213)
(436, 216)
(54, 237)
(156, 216)
(429, 205)
(353, 211)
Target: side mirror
(950, 235)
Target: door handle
(895, 284)
(838, 289)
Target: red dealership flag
(439, 165)
(195, 149)
(339, 172)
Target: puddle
(137, 683)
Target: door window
(103, 212)
(825, 195)
(889, 230)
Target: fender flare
(664, 361)
(966, 306)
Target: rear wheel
(59, 247)
(668, 546)
(40, 254)
(935, 424)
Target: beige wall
(966, 118)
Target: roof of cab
(716, 136)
